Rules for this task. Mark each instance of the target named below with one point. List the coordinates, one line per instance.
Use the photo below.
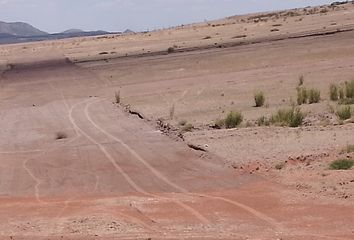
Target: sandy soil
(116, 176)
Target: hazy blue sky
(118, 15)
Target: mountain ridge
(18, 32)
(20, 29)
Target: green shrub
(344, 112)
(349, 89)
(302, 95)
(342, 164)
(292, 117)
(259, 99)
(233, 119)
(333, 92)
(314, 96)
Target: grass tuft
(342, 164)
(302, 95)
(314, 96)
(263, 121)
(346, 101)
(349, 148)
(259, 99)
(341, 93)
(292, 117)
(333, 92)
(233, 119)
(344, 113)
(349, 89)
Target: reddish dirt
(116, 176)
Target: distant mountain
(70, 31)
(20, 29)
(128, 31)
(78, 33)
(22, 32)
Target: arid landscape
(136, 136)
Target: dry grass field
(121, 137)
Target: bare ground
(116, 176)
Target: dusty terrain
(115, 175)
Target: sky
(138, 15)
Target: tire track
(137, 188)
(22, 152)
(134, 153)
(68, 201)
(272, 222)
(30, 172)
(37, 181)
(278, 227)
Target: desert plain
(114, 137)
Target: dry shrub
(349, 148)
(314, 96)
(233, 119)
(342, 164)
(302, 95)
(259, 99)
(344, 112)
(292, 117)
(263, 121)
(333, 92)
(349, 89)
